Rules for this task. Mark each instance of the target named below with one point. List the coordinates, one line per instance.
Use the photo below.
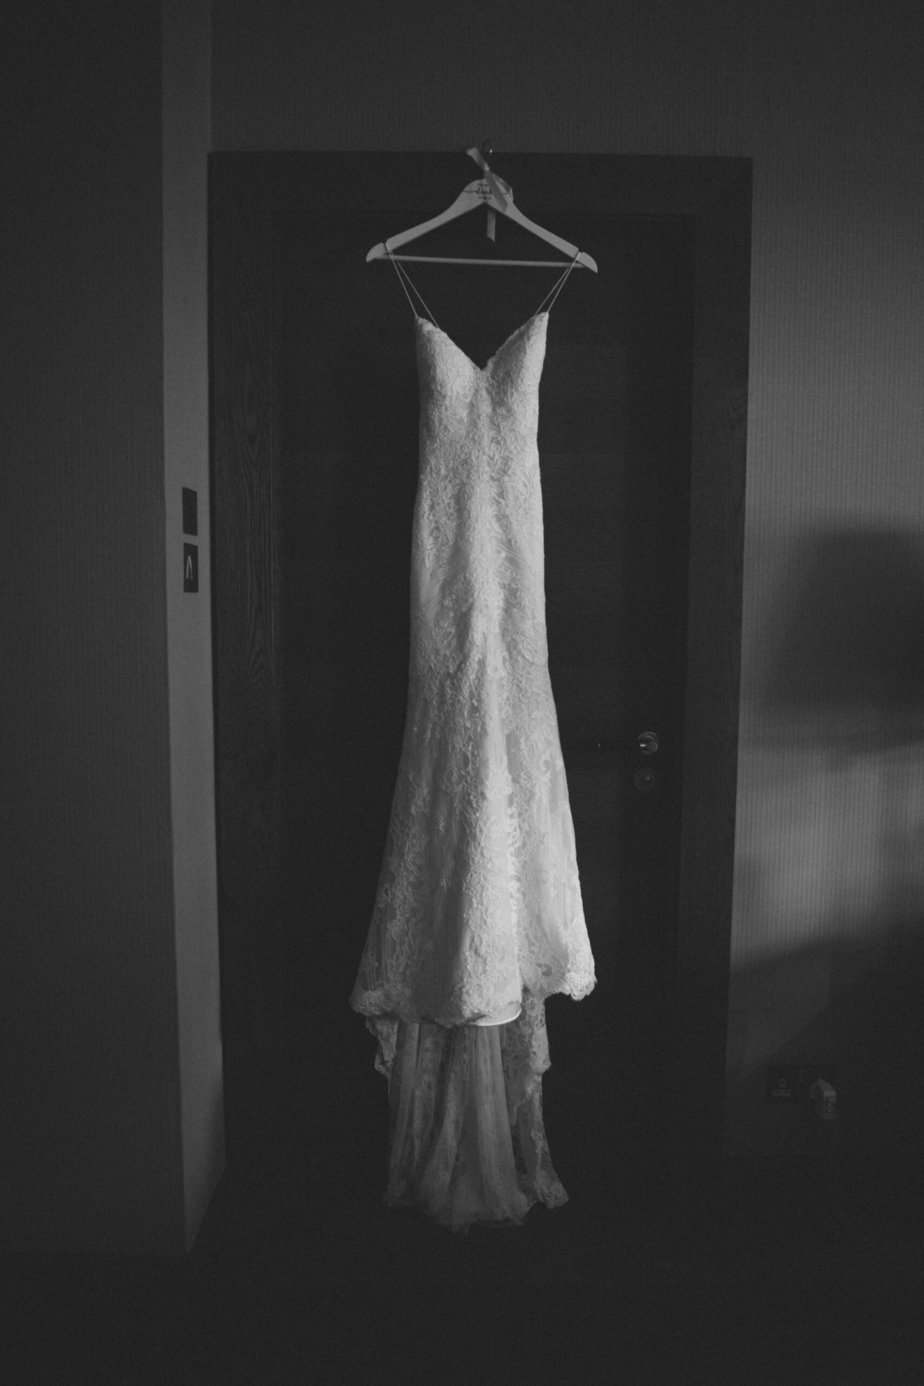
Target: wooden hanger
(497, 196)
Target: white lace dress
(478, 914)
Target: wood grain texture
(717, 489)
(246, 616)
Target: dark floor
(808, 1270)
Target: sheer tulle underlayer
(468, 1140)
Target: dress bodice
(478, 585)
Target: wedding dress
(478, 914)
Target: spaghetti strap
(547, 302)
(410, 288)
(408, 285)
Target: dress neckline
(482, 370)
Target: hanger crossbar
(581, 262)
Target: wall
(186, 124)
(826, 99)
(100, 1056)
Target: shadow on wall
(829, 892)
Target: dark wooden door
(336, 416)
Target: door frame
(250, 195)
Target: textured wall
(109, 1027)
(91, 1113)
(826, 99)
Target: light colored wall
(91, 1100)
(186, 137)
(109, 1056)
(826, 100)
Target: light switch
(190, 511)
(190, 567)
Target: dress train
(467, 1141)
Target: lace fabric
(478, 907)
(468, 1140)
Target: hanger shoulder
(476, 194)
(495, 194)
(572, 251)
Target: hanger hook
(487, 150)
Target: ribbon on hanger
(498, 187)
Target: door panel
(642, 447)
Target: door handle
(649, 743)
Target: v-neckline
(483, 370)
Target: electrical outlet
(791, 1082)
